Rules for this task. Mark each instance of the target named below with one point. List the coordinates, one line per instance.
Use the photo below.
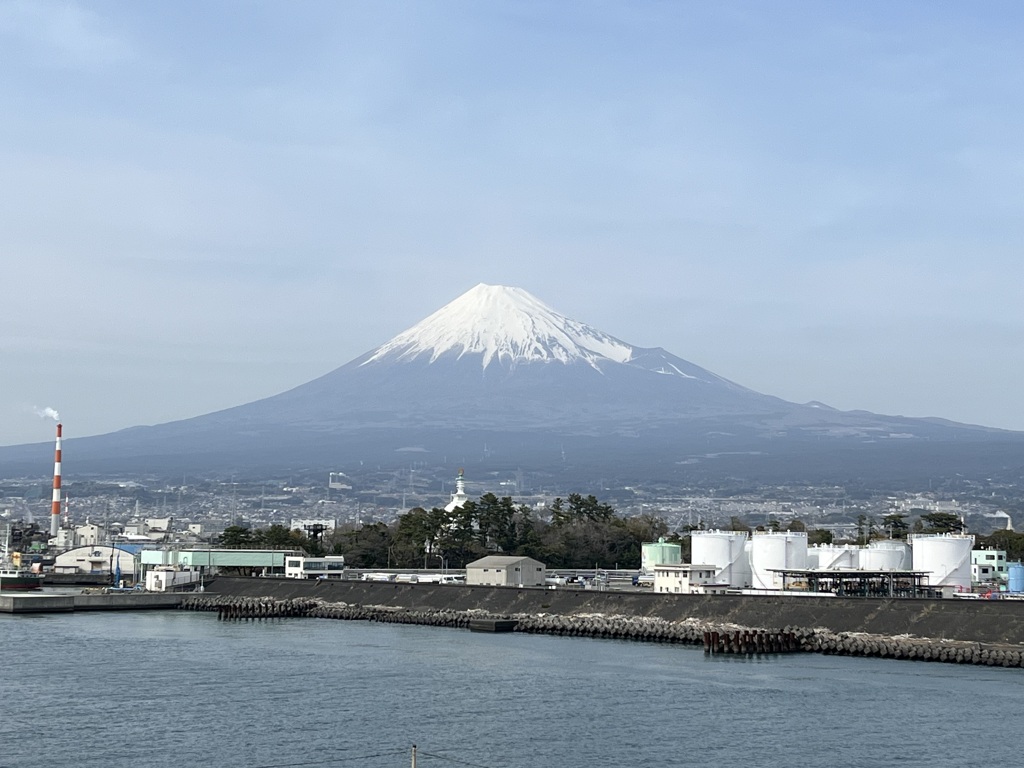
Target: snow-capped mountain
(499, 325)
(499, 358)
(505, 325)
(498, 377)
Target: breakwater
(55, 603)
(979, 621)
(714, 637)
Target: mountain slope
(498, 376)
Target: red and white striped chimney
(55, 507)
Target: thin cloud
(63, 34)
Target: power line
(452, 760)
(332, 760)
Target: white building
(88, 535)
(988, 565)
(158, 525)
(96, 559)
(459, 498)
(302, 524)
(167, 579)
(329, 567)
(687, 579)
(505, 571)
(151, 529)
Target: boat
(14, 577)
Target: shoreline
(729, 638)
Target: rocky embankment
(715, 637)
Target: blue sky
(205, 203)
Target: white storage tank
(659, 552)
(773, 550)
(726, 550)
(833, 557)
(887, 555)
(945, 559)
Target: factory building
(505, 571)
(773, 561)
(97, 559)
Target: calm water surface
(183, 689)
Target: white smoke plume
(48, 413)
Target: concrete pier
(37, 603)
(132, 601)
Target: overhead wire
(333, 760)
(421, 753)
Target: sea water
(174, 688)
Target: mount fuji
(499, 380)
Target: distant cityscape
(193, 510)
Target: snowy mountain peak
(502, 324)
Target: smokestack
(55, 507)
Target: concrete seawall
(133, 601)
(978, 621)
(716, 637)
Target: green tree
(277, 537)
(736, 524)
(896, 524)
(414, 532)
(366, 547)
(603, 544)
(819, 536)
(530, 535)
(496, 522)
(941, 522)
(579, 510)
(589, 509)
(457, 541)
(865, 529)
(646, 527)
(236, 537)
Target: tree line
(581, 532)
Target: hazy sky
(206, 203)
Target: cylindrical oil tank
(833, 557)
(770, 551)
(659, 552)
(945, 559)
(886, 555)
(1015, 581)
(726, 550)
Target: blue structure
(1016, 580)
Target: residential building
(687, 579)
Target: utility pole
(413, 756)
